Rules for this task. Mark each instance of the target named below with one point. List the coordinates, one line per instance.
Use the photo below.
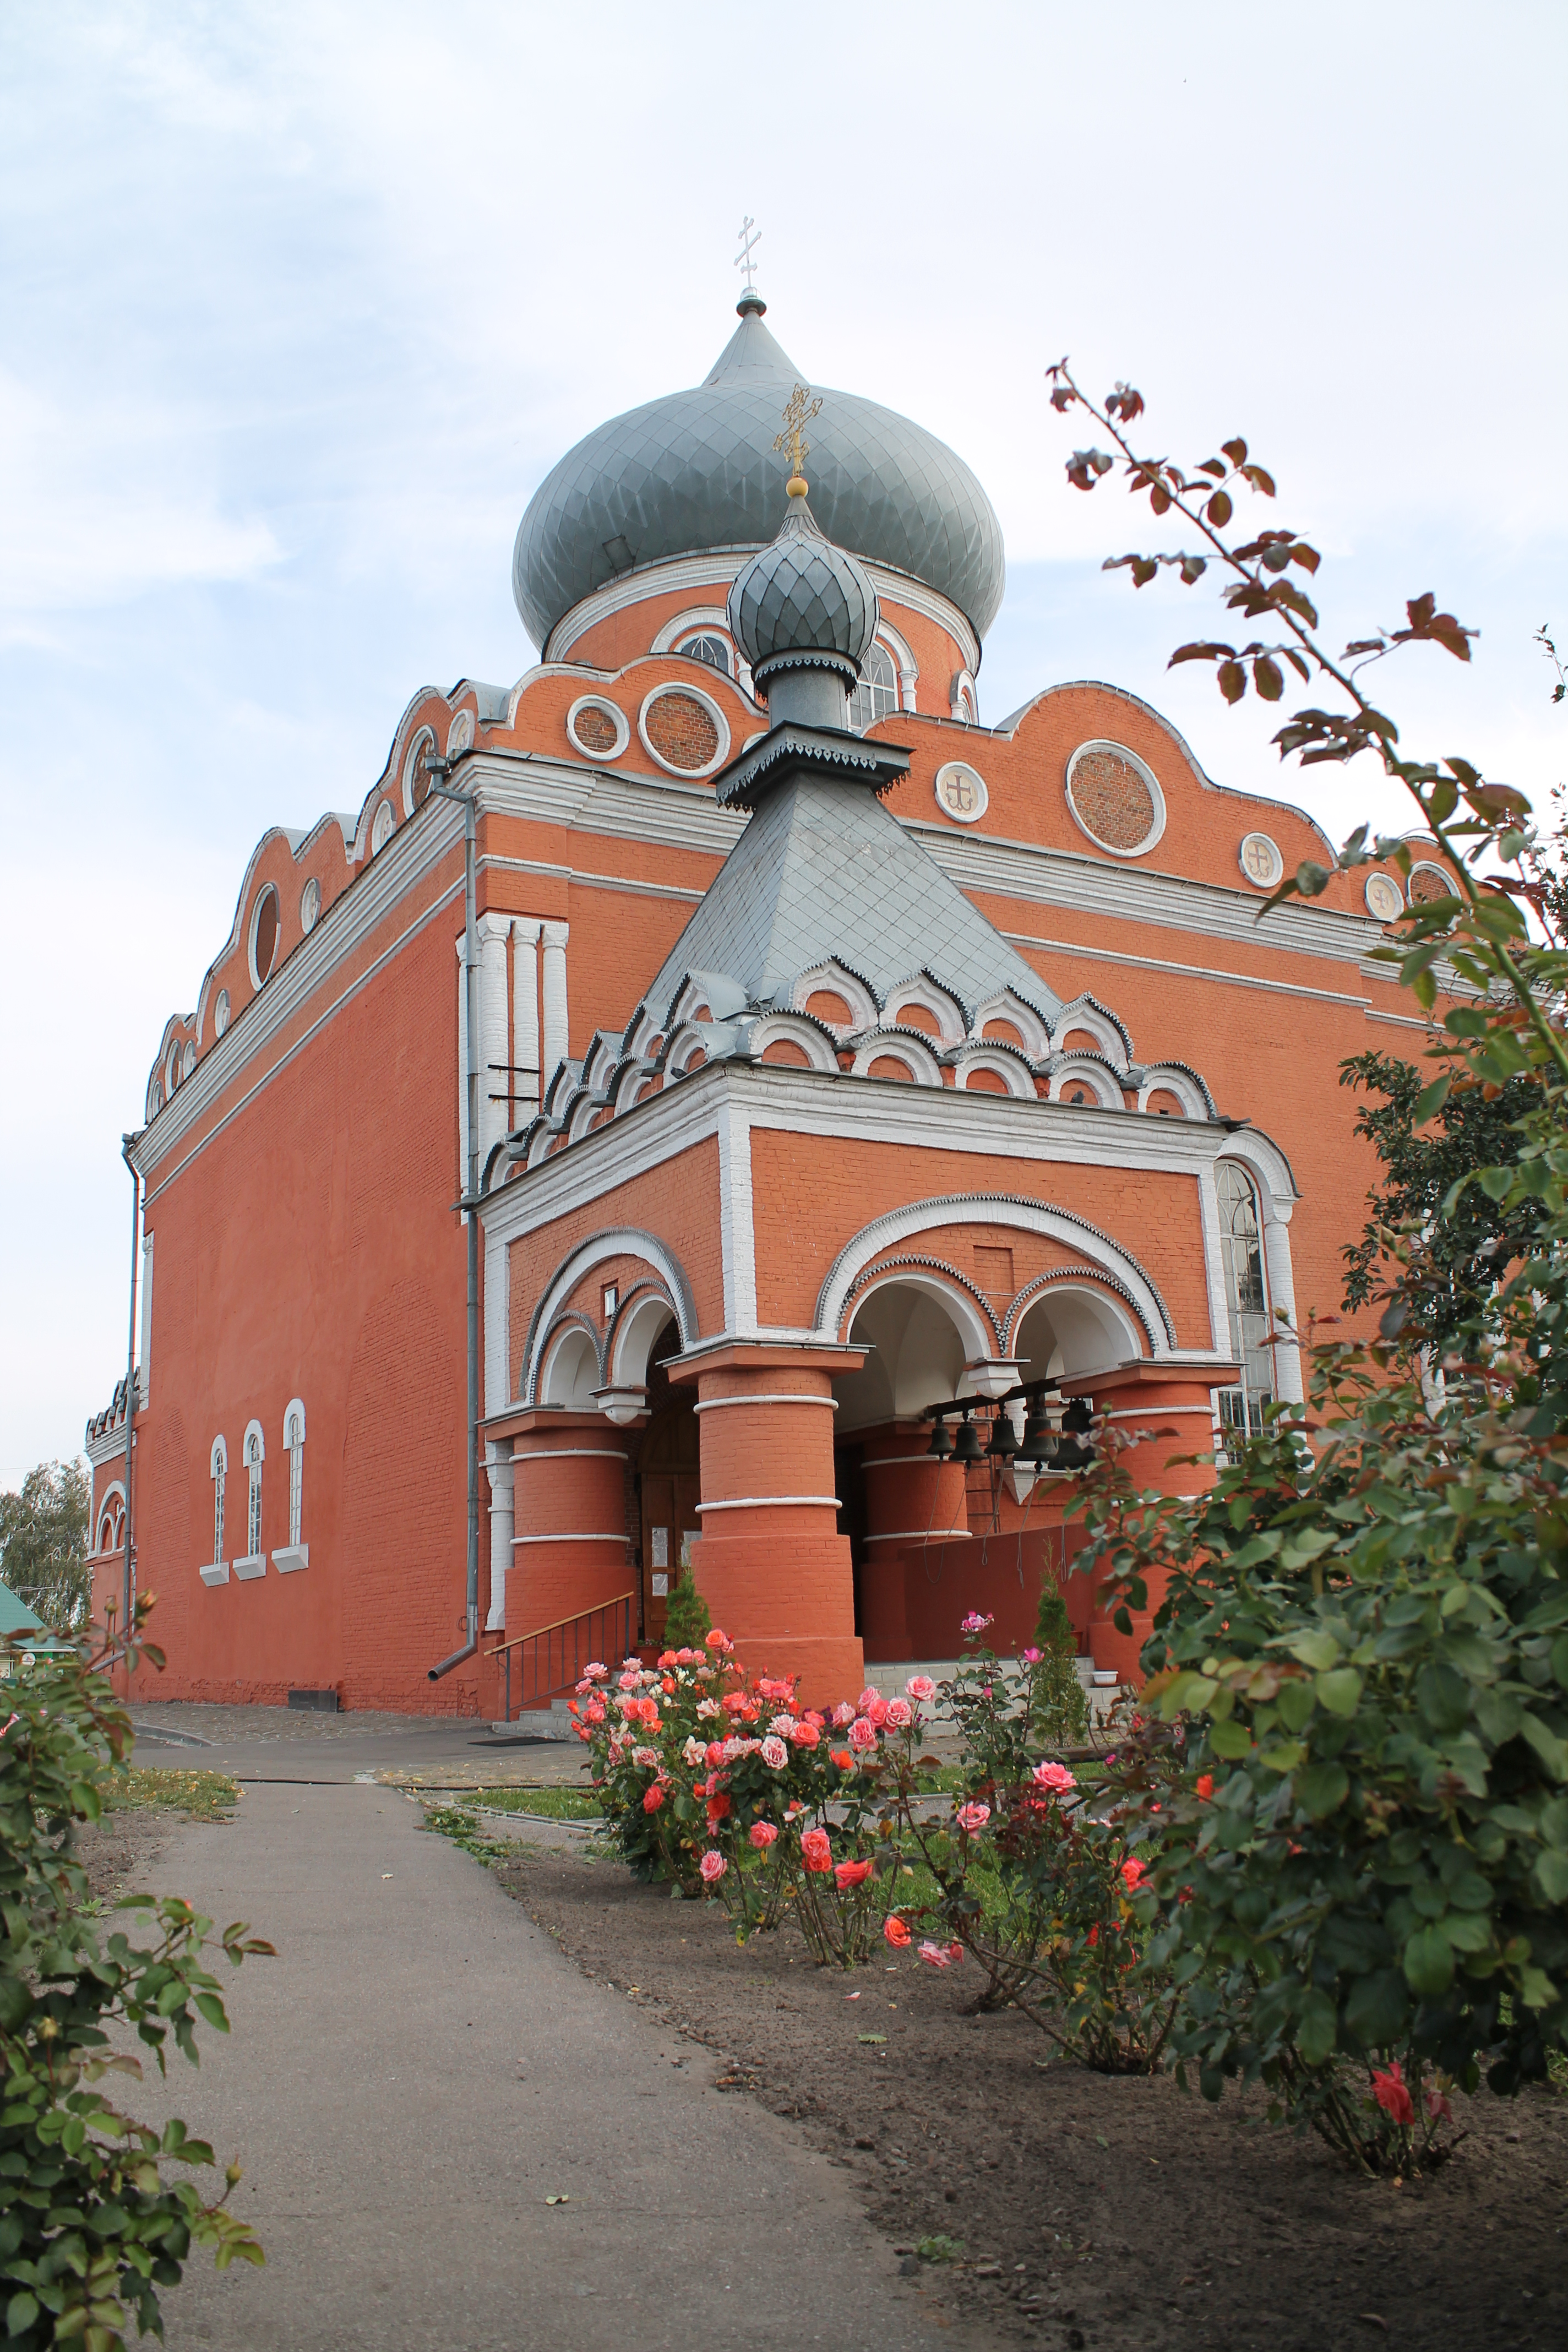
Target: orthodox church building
(719, 1100)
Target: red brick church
(810, 1055)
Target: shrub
(687, 1623)
(91, 2228)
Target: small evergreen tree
(687, 1623)
(1058, 1710)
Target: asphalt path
(420, 2072)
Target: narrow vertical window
(219, 1471)
(252, 1464)
(1247, 1297)
(294, 1441)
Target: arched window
(1246, 1297)
(111, 1519)
(294, 1444)
(219, 1471)
(254, 1453)
(709, 646)
(877, 693)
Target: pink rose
(862, 1733)
(1055, 1777)
(920, 1686)
(941, 1955)
(805, 1735)
(595, 1671)
(775, 1755)
(842, 1714)
(895, 1930)
(783, 1724)
(975, 1624)
(900, 1714)
(973, 1817)
(1031, 1657)
(718, 1641)
(762, 1835)
(594, 1711)
(815, 1850)
(714, 1751)
(630, 1681)
(869, 1698)
(712, 1866)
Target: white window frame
(217, 1463)
(872, 687)
(294, 1555)
(253, 1453)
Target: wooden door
(671, 1487)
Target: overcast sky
(302, 300)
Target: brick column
(911, 1499)
(770, 1564)
(557, 1040)
(1155, 1398)
(569, 1538)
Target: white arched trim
(422, 748)
(252, 1429)
(952, 1020)
(1087, 1013)
(802, 1029)
(1169, 1077)
(898, 1045)
(1110, 1294)
(892, 642)
(835, 979)
(1060, 1226)
(1005, 1007)
(1007, 1062)
(615, 1241)
(686, 686)
(1274, 1190)
(634, 1333)
(294, 1417)
(113, 1493)
(1084, 1070)
(967, 1312)
(696, 618)
(570, 1364)
(218, 1464)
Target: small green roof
(18, 1621)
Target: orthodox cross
(796, 417)
(748, 244)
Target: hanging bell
(1040, 1437)
(1004, 1445)
(1076, 1452)
(966, 1446)
(941, 1446)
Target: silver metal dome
(697, 471)
(802, 600)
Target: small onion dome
(802, 603)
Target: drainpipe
(127, 1143)
(469, 802)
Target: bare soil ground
(1093, 2212)
(120, 1853)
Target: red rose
(815, 1850)
(652, 1799)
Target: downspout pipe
(127, 1145)
(469, 802)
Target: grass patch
(200, 1796)
(552, 1804)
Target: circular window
(416, 775)
(1429, 882)
(1115, 799)
(685, 731)
(220, 1012)
(597, 727)
(381, 831)
(310, 906)
(264, 935)
(961, 792)
(1384, 897)
(1261, 860)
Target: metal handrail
(616, 1601)
(616, 1613)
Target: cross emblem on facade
(748, 246)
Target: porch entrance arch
(667, 1482)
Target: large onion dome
(803, 602)
(696, 472)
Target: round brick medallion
(1429, 882)
(681, 731)
(598, 727)
(1384, 899)
(1261, 860)
(1115, 799)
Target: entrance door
(671, 1486)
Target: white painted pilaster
(557, 1033)
(500, 1472)
(462, 1067)
(1282, 1304)
(494, 1079)
(525, 1015)
(737, 1224)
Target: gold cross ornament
(797, 415)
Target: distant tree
(44, 1543)
(1443, 1267)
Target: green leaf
(1378, 2008)
(1428, 1963)
(1552, 1751)
(1296, 1702)
(1430, 1100)
(21, 2312)
(1231, 1740)
(1340, 1692)
(1551, 1875)
(1321, 1787)
(213, 2010)
(1318, 1650)
(1318, 2030)
(1282, 1756)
